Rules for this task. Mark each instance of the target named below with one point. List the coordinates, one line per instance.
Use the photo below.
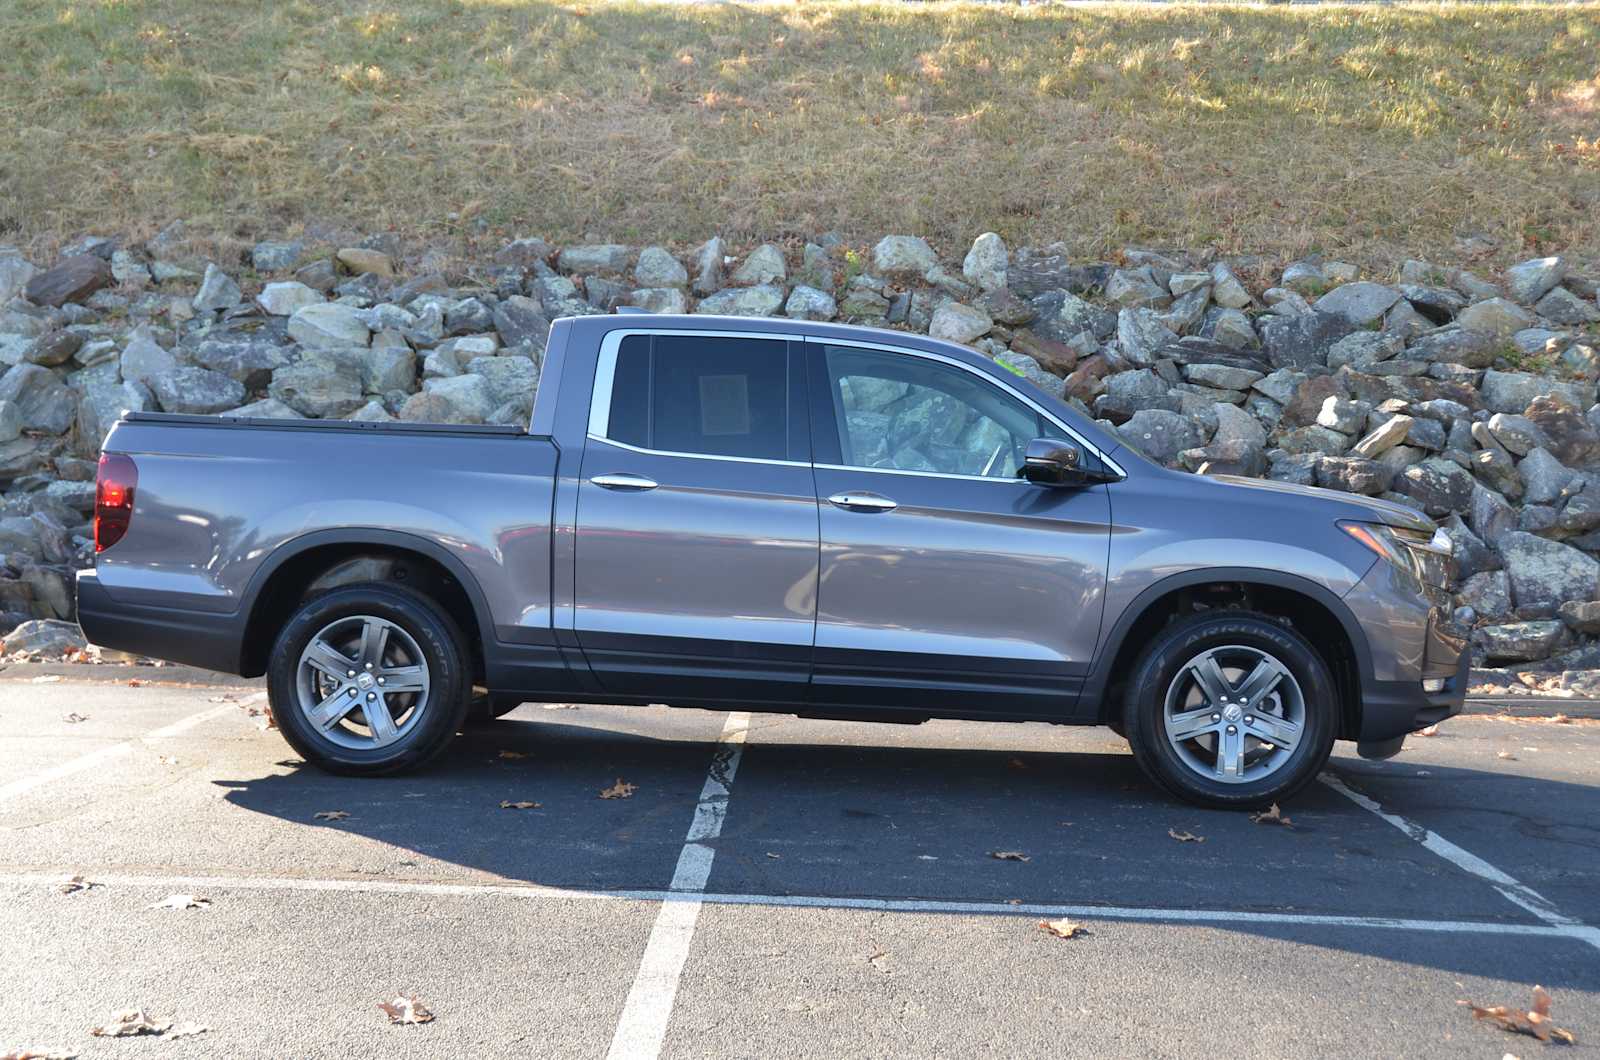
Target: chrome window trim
(942, 359)
(605, 371)
(922, 474)
(697, 456)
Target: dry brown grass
(1371, 133)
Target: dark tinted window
(691, 394)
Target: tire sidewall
(1145, 706)
(440, 643)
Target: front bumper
(196, 638)
(1390, 709)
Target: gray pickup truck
(775, 515)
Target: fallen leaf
(1185, 837)
(76, 883)
(330, 815)
(1063, 928)
(130, 1022)
(620, 790)
(560, 706)
(187, 1030)
(1431, 730)
(1016, 764)
(1534, 1021)
(505, 805)
(406, 1010)
(33, 1054)
(47, 679)
(1009, 855)
(1560, 719)
(1507, 755)
(773, 856)
(181, 901)
(135, 682)
(512, 754)
(75, 717)
(1272, 816)
(167, 760)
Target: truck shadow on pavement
(836, 823)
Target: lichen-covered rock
(1528, 281)
(763, 265)
(1303, 339)
(763, 300)
(39, 397)
(903, 256)
(199, 391)
(317, 388)
(658, 268)
(287, 297)
(1361, 303)
(1514, 391)
(1545, 574)
(329, 325)
(44, 636)
(810, 303)
(217, 291)
(1570, 437)
(1519, 641)
(986, 262)
(594, 258)
(1159, 434)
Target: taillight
(113, 499)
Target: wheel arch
(297, 566)
(1315, 611)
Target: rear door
(695, 567)
(947, 583)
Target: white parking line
(1223, 917)
(106, 754)
(643, 1024)
(1510, 888)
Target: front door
(696, 551)
(947, 583)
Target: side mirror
(1056, 462)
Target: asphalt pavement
(771, 887)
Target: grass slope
(1372, 133)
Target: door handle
(624, 481)
(862, 502)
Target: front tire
(369, 679)
(1231, 710)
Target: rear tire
(376, 648)
(1231, 710)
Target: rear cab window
(704, 395)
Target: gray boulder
(45, 636)
(1544, 574)
(1520, 641)
(661, 300)
(812, 303)
(329, 325)
(903, 256)
(316, 387)
(1515, 391)
(1528, 281)
(41, 399)
(285, 298)
(459, 399)
(708, 267)
(1140, 333)
(195, 390)
(764, 264)
(72, 279)
(1160, 435)
(593, 258)
(1303, 339)
(1495, 316)
(658, 268)
(1360, 303)
(763, 300)
(986, 262)
(217, 291)
(1437, 486)
(1564, 307)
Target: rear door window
(704, 395)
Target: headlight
(1426, 557)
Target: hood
(1371, 508)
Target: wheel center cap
(1232, 711)
(365, 681)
